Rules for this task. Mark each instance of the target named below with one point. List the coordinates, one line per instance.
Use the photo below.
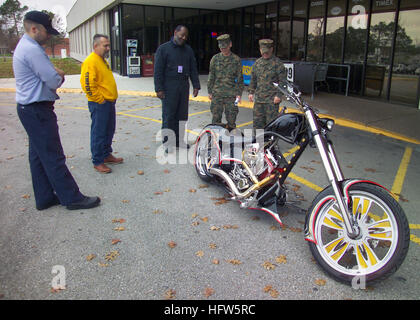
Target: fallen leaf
(320, 282)
(158, 192)
(203, 186)
(199, 253)
(194, 215)
(208, 292)
(115, 241)
(170, 294)
(57, 289)
(90, 257)
(140, 172)
(112, 256)
(212, 246)
(281, 259)
(25, 196)
(193, 190)
(295, 229)
(370, 170)
(118, 220)
(171, 244)
(274, 293)
(215, 261)
(268, 288)
(195, 223)
(229, 226)
(157, 211)
(234, 261)
(205, 219)
(119, 228)
(214, 228)
(166, 171)
(125, 201)
(167, 190)
(268, 265)
(274, 228)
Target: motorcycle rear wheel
(206, 155)
(381, 246)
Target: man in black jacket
(175, 64)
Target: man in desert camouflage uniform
(225, 83)
(266, 98)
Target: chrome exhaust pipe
(240, 195)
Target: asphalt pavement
(162, 233)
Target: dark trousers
(50, 175)
(102, 130)
(175, 109)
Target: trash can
(247, 64)
(147, 65)
(301, 74)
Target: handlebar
(291, 92)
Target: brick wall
(57, 49)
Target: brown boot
(112, 160)
(102, 168)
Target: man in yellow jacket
(99, 85)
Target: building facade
(377, 40)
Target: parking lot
(162, 233)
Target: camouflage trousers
(224, 104)
(264, 113)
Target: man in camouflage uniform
(266, 98)
(225, 83)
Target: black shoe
(86, 203)
(53, 202)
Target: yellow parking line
(139, 117)
(244, 124)
(402, 170)
(415, 239)
(196, 113)
(414, 226)
(139, 109)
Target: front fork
(334, 173)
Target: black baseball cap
(41, 18)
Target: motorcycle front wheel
(382, 242)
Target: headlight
(326, 123)
(330, 124)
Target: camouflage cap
(266, 44)
(223, 40)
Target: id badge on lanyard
(180, 69)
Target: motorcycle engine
(254, 157)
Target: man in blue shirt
(36, 83)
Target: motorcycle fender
(311, 217)
(213, 130)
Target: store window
(259, 28)
(316, 28)
(406, 68)
(299, 27)
(154, 29)
(283, 37)
(335, 31)
(380, 48)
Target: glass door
(115, 41)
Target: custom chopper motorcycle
(354, 227)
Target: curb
(246, 104)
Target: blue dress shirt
(36, 78)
